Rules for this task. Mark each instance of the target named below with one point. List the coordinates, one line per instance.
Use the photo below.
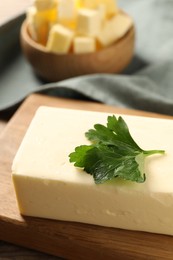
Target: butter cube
(114, 29)
(47, 185)
(84, 44)
(110, 5)
(37, 25)
(47, 9)
(67, 9)
(60, 39)
(31, 24)
(89, 22)
(67, 12)
(43, 5)
(89, 4)
(102, 12)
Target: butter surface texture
(84, 44)
(111, 5)
(89, 22)
(42, 5)
(47, 185)
(39, 23)
(114, 29)
(60, 39)
(67, 12)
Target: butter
(31, 25)
(67, 12)
(84, 45)
(102, 12)
(114, 29)
(89, 22)
(99, 19)
(110, 5)
(60, 39)
(39, 23)
(47, 185)
(43, 5)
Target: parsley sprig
(112, 153)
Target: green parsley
(112, 153)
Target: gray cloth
(147, 83)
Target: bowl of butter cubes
(68, 38)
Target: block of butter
(60, 39)
(67, 12)
(84, 44)
(89, 22)
(43, 5)
(114, 28)
(111, 5)
(47, 185)
(39, 23)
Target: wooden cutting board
(66, 239)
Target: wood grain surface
(66, 239)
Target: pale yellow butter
(84, 45)
(60, 39)
(39, 23)
(67, 12)
(43, 5)
(89, 22)
(30, 15)
(47, 185)
(114, 29)
(102, 12)
(110, 5)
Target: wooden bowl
(54, 67)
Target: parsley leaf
(112, 153)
